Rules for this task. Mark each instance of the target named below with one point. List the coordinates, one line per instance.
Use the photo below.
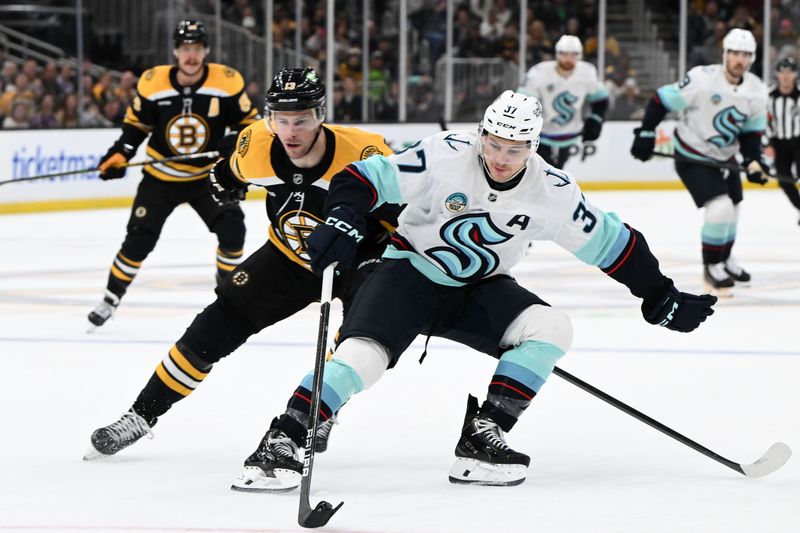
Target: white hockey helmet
(569, 44)
(514, 116)
(739, 40)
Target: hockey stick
(721, 165)
(306, 516)
(774, 458)
(188, 157)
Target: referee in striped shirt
(784, 126)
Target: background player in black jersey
(783, 127)
(185, 109)
(294, 155)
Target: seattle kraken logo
(468, 258)
(728, 123)
(563, 106)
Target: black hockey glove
(109, 165)
(757, 171)
(678, 311)
(643, 144)
(591, 128)
(336, 241)
(225, 188)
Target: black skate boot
(103, 311)
(736, 272)
(717, 280)
(482, 455)
(111, 439)
(276, 466)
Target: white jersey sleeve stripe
(383, 176)
(607, 243)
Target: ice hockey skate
(717, 280)
(276, 466)
(111, 439)
(323, 434)
(482, 455)
(739, 275)
(104, 310)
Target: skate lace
(282, 446)
(490, 432)
(129, 428)
(717, 271)
(324, 429)
(733, 266)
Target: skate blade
(254, 479)
(473, 472)
(90, 328)
(92, 454)
(724, 292)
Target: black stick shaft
(655, 424)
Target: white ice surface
(732, 386)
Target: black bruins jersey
(184, 120)
(295, 196)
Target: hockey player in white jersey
(562, 86)
(475, 202)
(724, 111)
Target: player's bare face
(787, 79)
(297, 130)
(566, 60)
(191, 58)
(502, 157)
(737, 63)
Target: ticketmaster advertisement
(605, 163)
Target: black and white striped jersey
(784, 114)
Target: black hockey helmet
(190, 31)
(787, 63)
(296, 89)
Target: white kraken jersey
(716, 112)
(563, 98)
(457, 229)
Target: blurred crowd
(36, 95)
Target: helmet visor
(286, 122)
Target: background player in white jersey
(475, 202)
(725, 110)
(562, 86)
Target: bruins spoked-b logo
(296, 227)
(187, 134)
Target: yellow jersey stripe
(185, 365)
(171, 383)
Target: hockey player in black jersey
(294, 155)
(185, 109)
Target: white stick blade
(773, 459)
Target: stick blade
(319, 516)
(773, 459)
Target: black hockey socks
(519, 376)
(227, 260)
(123, 271)
(177, 376)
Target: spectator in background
(68, 115)
(126, 89)
(46, 116)
(627, 105)
(378, 78)
(387, 109)
(348, 109)
(19, 117)
(474, 45)
(540, 47)
(49, 79)
(101, 91)
(508, 46)
(491, 28)
(351, 68)
(711, 51)
(114, 112)
(31, 69)
(91, 117)
(10, 71)
(66, 80)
